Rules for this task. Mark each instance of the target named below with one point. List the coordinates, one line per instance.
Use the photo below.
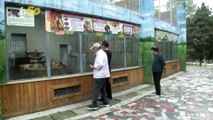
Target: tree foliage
(200, 34)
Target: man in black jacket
(105, 47)
(157, 68)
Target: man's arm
(99, 62)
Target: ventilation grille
(174, 68)
(120, 80)
(67, 90)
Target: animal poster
(54, 22)
(135, 30)
(115, 27)
(61, 24)
(88, 24)
(127, 29)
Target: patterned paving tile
(188, 96)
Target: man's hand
(91, 66)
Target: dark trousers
(100, 87)
(108, 89)
(157, 77)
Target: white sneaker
(104, 105)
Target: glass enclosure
(34, 52)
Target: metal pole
(80, 52)
(125, 52)
(48, 55)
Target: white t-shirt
(101, 68)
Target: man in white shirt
(100, 73)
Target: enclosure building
(45, 47)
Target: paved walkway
(185, 96)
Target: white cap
(96, 45)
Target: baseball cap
(155, 48)
(96, 45)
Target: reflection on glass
(168, 49)
(25, 51)
(132, 45)
(167, 43)
(88, 55)
(64, 54)
(116, 45)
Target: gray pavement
(185, 96)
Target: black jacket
(158, 63)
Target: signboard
(99, 25)
(116, 27)
(73, 23)
(19, 17)
(135, 30)
(127, 29)
(54, 22)
(88, 25)
(65, 23)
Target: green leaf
(69, 32)
(99, 34)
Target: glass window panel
(169, 50)
(168, 47)
(132, 45)
(117, 49)
(88, 55)
(26, 52)
(160, 46)
(64, 54)
(18, 43)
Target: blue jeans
(100, 87)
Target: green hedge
(182, 56)
(147, 61)
(2, 62)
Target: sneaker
(104, 105)
(92, 107)
(157, 98)
(100, 100)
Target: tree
(200, 32)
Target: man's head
(105, 44)
(96, 47)
(155, 49)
